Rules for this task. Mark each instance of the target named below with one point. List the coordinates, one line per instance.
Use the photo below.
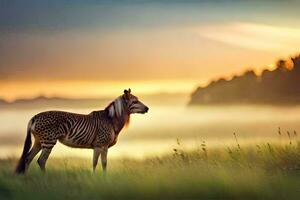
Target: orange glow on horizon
(12, 90)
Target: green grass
(255, 172)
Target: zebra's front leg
(104, 159)
(97, 152)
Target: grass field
(265, 171)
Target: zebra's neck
(118, 114)
(118, 122)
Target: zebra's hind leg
(33, 152)
(43, 158)
(46, 150)
(47, 146)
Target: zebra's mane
(116, 108)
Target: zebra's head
(134, 105)
(126, 104)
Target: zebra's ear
(127, 93)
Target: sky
(97, 48)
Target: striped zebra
(98, 130)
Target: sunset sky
(98, 48)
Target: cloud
(253, 36)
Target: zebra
(98, 130)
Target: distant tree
(278, 86)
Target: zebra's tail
(21, 167)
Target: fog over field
(157, 132)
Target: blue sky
(34, 15)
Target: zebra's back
(72, 129)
